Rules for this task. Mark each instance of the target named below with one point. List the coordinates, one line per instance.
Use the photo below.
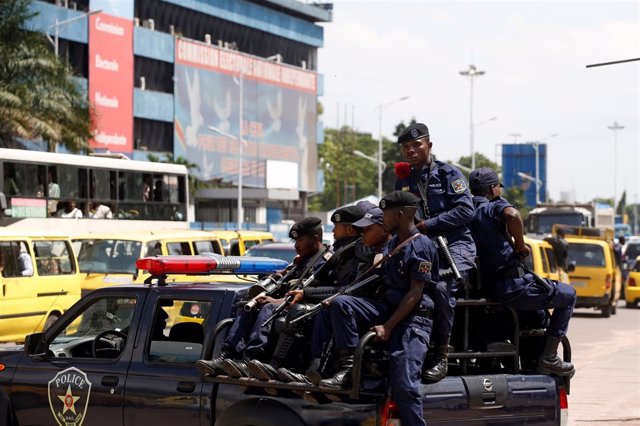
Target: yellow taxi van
(39, 281)
(236, 243)
(544, 261)
(596, 277)
(632, 285)
(109, 259)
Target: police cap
(483, 178)
(398, 199)
(347, 215)
(372, 217)
(413, 132)
(305, 226)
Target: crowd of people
(409, 303)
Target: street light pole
(361, 154)
(380, 109)
(615, 127)
(472, 72)
(58, 24)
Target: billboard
(111, 76)
(278, 114)
(519, 169)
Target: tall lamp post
(615, 127)
(380, 108)
(381, 164)
(472, 73)
(58, 24)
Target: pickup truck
(112, 360)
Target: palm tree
(39, 98)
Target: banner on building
(278, 114)
(111, 75)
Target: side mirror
(571, 267)
(35, 345)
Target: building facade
(219, 83)
(522, 165)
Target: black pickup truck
(125, 355)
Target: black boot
(342, 378)
(213, 367)
(235, 368)
(550, 362)
(262, 370)
(288, 376)
(313, 373)
(439, 371)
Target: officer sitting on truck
(340, 270)
(445, 209)
(247, 336)
(497, 230)
(403, 318)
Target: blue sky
(536, 83)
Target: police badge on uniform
(69, 394)
(424, 267)
(459, 185)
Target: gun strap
(337, 255)
(388, 256)
(423, 187)
(312, 262)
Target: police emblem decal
(383, 204)
(294, 234)
(68, 395)
(337, 217)
(414, 133)
(424, 267)
(458, 185)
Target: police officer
(445, 209)
(247, 336)
(340, 270)
(374, 238)
(402, 318)
(495, 222)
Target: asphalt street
(606, 354)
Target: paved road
(606, 353)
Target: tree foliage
(39, 98)
(347, 177)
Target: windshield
(587, 255)
(545, 222)
(108, 256)
(632, 251)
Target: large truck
(542, 218)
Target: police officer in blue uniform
(494, 225)
(402, 318)
(340, 270)
(247, 337)
(445, 209)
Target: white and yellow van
(543, 260)
(39, 281)
(236, 243)
(109, 259)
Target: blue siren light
(210, 263)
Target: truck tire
(50, 320)
(605, 311)
(259, 412)
(632, 305)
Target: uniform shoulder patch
(424, 267)
(459, 185)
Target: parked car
(284, 251)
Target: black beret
(413, 132)
(304, 227)
(398, 199)
(347, 215)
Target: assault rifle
(267, 287)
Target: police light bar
(209, 264)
